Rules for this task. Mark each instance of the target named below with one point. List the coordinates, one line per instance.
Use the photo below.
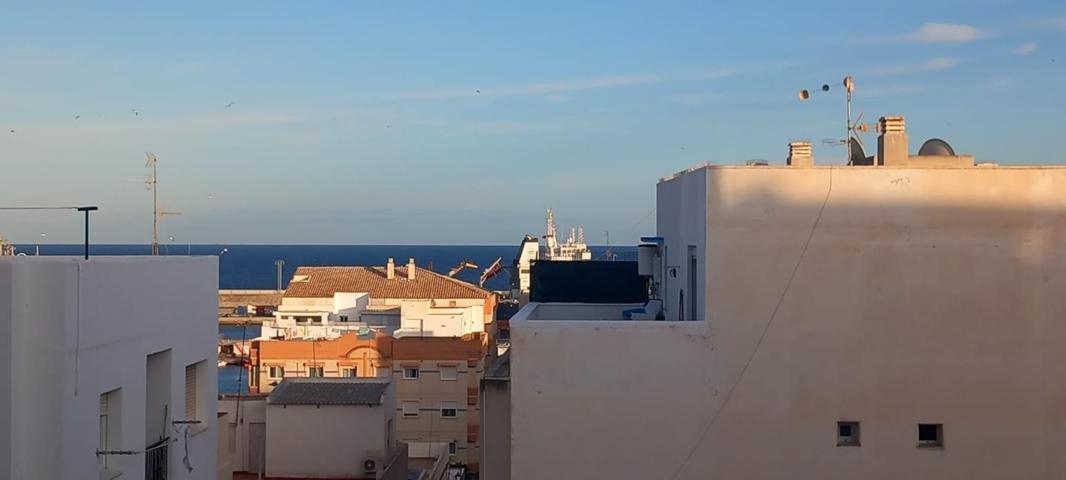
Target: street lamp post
(38, 250)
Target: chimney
(410, 269)
(390, 270)
(892, 143)
(799, 155)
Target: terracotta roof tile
(321, 282)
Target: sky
(460, 122)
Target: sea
(255, 267)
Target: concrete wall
(496, 427)
(244, 452)
(681, 218)
(923, 296)
(74, 329)
(327, 441)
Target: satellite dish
(936, 147)
(825, 87)
(804, 94)
(856, 155)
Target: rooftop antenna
(851, 139)
(151, 182)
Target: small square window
(930, 435)
(847, 434)
(410, 373)
(410, 409)
(449, 373)
(349, 372)
(317, 372)
(448, 410)
(277, 372)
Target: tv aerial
(851, 140)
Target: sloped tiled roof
(328, 391)
(321, 282)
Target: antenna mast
(152, 183)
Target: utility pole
(152, 183)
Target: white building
(327, 302)
(109, 367)
(878, 322)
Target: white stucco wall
(923, 296)
(327, 441)
(74, 329)
(681, 219)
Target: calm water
(253, 267)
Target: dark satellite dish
(856, 156)
(825, 87)
(935, 147)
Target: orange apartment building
(437, 382)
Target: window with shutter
(191, 377)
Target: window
(449, 373)
(110, 426)
(195, 376)
(447, 409)
(277, 371)
(410, 409)
(847, 434)
(313, 371)
(410, 373)
(453, 447)
(349, 372)
(930, 435)
(344, 318)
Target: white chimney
(892, 143)
(410, 269)
(390, 270)
(799, 154)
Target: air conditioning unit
(370, 466)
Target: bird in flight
(230, 104)
(135, 112)
(76, 116)
(477, 91)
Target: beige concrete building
(436, 380)
(881, 322)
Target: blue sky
(459, 122)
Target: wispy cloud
(1025, 48)
(694, 99)
(892, 90)
(557, 97)
(559, 88)
(937, 33)
(939, 63)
